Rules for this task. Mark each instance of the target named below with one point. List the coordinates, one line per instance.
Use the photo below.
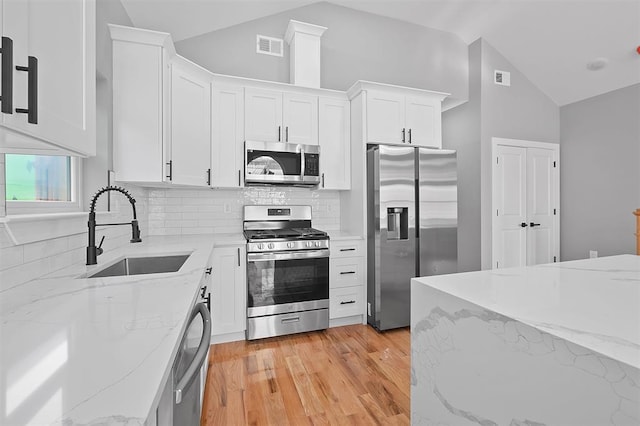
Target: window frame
(51, 207)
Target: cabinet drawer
(347, 248)
(346, 272)
(346, 301)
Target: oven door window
(270, 163)
(275, 282)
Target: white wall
(356, 46)
(600, 174)
(520, 111)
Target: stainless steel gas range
(287, 271)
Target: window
(40, 183)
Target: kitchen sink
(143, 265)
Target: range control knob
(260, 246)
(317, 243)
(308, 244)
(291, 244)
(270, 245)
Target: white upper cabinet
(161, 111)
(227, 148)
(190, 124)
(399, 115)
(56, 41)
(335, 148)
(423, 124)
(263, 115)
(385, 117)
(300, 118)
(272, 116)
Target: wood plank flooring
(349, 375)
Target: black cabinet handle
(531, 224)
(238, 256)
(523, 225)
(208, 176)
(403, 135)
(409, 135)
(286, 134)
(239, 182)
(323, 180)
(348, 302)
(348, 249)
(279, 132)
(347, 272)
(7, 75)
(208, 302)
(170, 164)
(32, 90)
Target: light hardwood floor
(349, 375)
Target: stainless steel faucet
(92, 251)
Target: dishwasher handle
(194, 369)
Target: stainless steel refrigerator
(412, 210)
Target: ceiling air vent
(269, 45)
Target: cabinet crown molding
(363, 85)
(142, 36)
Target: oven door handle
(287, 255)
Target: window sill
(31, 228)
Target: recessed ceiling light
(597, 64)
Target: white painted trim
(495, 142)
(363, 85)
(31, 228)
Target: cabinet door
(227, 147)
(385, 117)
(229, 291)
(335, 148)
(190, 125)
(263, 115)
(61, 35)
(422, 121)
(300, 119)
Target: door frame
(495, 142)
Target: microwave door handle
(302, 164)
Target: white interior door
(525, 199)
(510, 188)
(540, 202)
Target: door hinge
(496, 160)
(554, 164)
(497, 214)
(554, 212)
(497, 264)
(554, 259)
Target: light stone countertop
(594, 303)
(97, 351)
(342, 235)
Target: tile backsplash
(20, 263)
(166, 211)
(206, 211)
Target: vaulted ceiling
(550, 41)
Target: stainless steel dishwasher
(181, 403)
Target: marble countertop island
(88, 351)
(549, 344)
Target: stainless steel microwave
(278, 163)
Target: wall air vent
(502, 78)
(269, 45)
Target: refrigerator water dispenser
(397, 223)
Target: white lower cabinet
(346, 278)
(228, 290)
